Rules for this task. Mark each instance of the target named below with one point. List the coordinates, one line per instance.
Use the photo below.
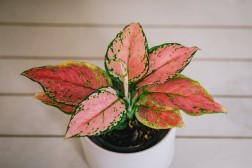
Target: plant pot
(160, 155)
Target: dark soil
(135, 135)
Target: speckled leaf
(126, 59)
(68, 109)
(156, 100)
(166, 61)
(99, 113)
(69, 82)
(159, 118)
(186, 94)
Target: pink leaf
(127, 55)
(45, 99)
(166, 61)
(98, 113)
(159, 118)
(70, 82)
(156, 100)
(186, 94)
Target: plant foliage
(138, 82)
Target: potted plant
(131, 109)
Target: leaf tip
(23, 73)
(223, 110)
(181, 124)
(36, 95)
(135, 23)
(196, 48)
(67, 136)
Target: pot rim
(171, 130)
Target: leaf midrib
(102, 111)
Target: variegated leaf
(69, 82)
(99, 113)
(126, 59)
(186, 94)
(166, 61)
(68, 109)
(159, 118)
(156, 100)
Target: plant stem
(131, 105)
(130, 110)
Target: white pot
(159, 155)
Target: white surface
(36, 33)
(55, 152)
(93, 41)
(209, 153)
(170, 12)
(41, 153)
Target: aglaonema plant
(139, 82)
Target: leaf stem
(131, 106)
(129, 110)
